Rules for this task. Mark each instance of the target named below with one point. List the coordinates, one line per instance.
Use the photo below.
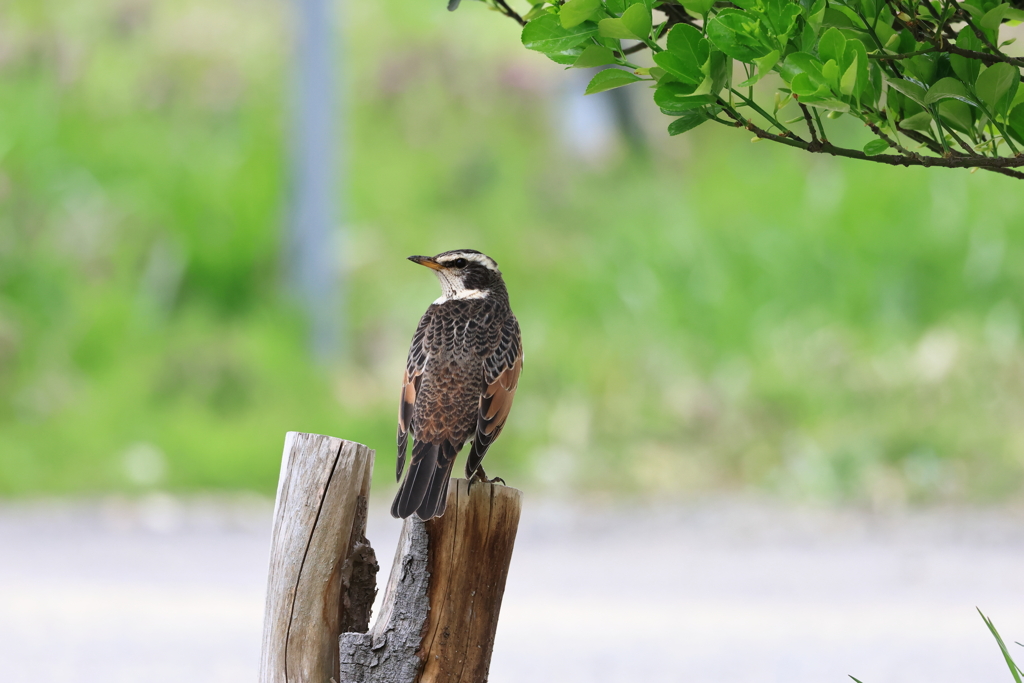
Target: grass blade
(1014, 669)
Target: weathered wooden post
(318, 548)
(441, 605)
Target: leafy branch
(929, 79)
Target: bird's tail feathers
(424, 491)
(413, 489)
(437, 493)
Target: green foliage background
(714, 315)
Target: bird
(460, 379)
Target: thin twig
(509, 12)
(815, 142)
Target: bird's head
(464, 274)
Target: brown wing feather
(502, 370)
(414, 367)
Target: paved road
(723, 591)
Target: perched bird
(460, 379)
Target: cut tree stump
(440, 610)
(322, 571)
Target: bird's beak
(427, 261)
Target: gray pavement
(160, 589)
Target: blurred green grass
(717, 315)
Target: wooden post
(322, 571)
(441, 607)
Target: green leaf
(737, 34)
(831, 73)
(687, 42)
(688, 121)
(910, 90)
(594, 55)
(997, 86)
(833, 17)
(921, 121)
(849, 83)
(948, 88)
(815, 15)
(782, 15)
(670, 62)
(807, 90)
(994, 17)
(721, 70)
(957, 114)
(1016, 123)
(667, 93)
(615, 6)
(863, 87)
(768, 62)
(764, 67)
(637, 19)
(874, 148)
(566, 57)
(886, 33)
(575, 12)
(1019, 99)
(954, 103)
(701, 7)
(687, 53)
(832, 45)
(610, 78)
(923, 68)
(802, 62)
(546, 34)
(967, 69)
(614, 28)
(674, 98)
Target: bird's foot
(481, 477)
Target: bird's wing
(414, 367)
(501, 372)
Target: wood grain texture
(470, 552)
(440, 611)
(318, 549)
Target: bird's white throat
(462, 294)
(453, 288)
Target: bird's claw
(481, 477)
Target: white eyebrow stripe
(482, 259)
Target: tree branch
(954, 161)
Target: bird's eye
(460, 263)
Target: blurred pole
(590, 124)
(313, 232)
